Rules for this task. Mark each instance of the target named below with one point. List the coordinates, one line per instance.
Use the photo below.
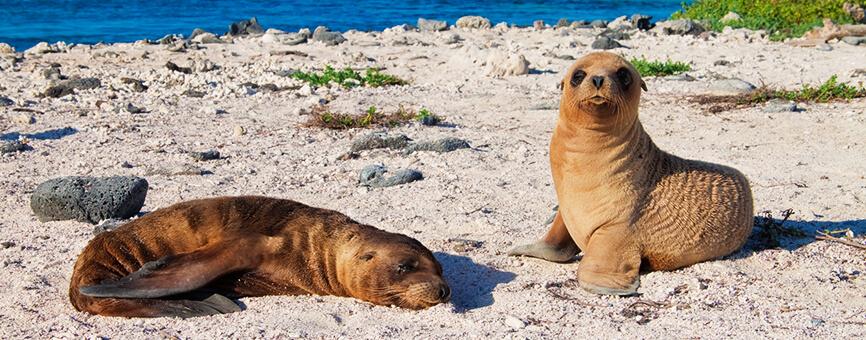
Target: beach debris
(324, 35)
(379, 140)
(374, 176)
(846, 239)
(245, 27)
(205, 155)
(730, 87)
(473, 21)
(605, 43)
(642, 22)
(443, 145)
(427, 25)
(769, 230)
(67, 87)
(14, 146)
(88, 199)
(680, 27)
(501, 64)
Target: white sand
(498, 193)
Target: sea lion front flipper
(214, 304)
(556, 246)
(180, 273)
(611, 263)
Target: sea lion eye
(405, 267)
(366, 256)
(577, 77)
(624, 77)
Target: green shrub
(372, 117)
(781, 18)
(659, 68)
(348, 77)
(830, 90)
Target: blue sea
(23, 23)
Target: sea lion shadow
(471, 283)
(43, 135)
(792, 235)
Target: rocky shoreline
(209, 115)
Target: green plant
(830, 90)
(426, 117)
(781, 18)
(659, 68)
(348, 77)
(372, 117)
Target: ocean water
(23, 23)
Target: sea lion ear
(643, 86)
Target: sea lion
(185, 259)
(624, 202)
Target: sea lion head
(601, 89)
(392, 269)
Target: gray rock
(780, 105)
(681, 27)
(605, 43)
(731, 87)
(598, 24)
(514, 322)
(854, 40)
(561, 23)
(615, 34)
(205, 155)
(207, 38)
(431, 25)
(679, 77)
(169, 39)
(7, 244)
(246, 27)
(5, 101)
(193, 93)
(173, 67)
(295, 39)
(374, 176)
(446, 144)
(52, 73)
(88, 199)
(642, 22)
(305, 32)
(134, 109)
(580, 24)
(824, 47)
(68, 87)
(13, 146)
(472, 21)
(379, 140)
(137, 85)
(177, 170)
(196, 32)
(323, 34)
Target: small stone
(193, 93)
(780, 105)
(681, 27)
(196, 32)
(205, 155)
(443, 145)
(451, 39)
(126, 165)
(177, 170)
(52, 73)
(854, 40)
(173, 67)
(514, 322)
(426, 25)
(721, 63)
(324, 35)
(472, 21)
(246, 27)
(42, 48)
(23, 119)
(207, 38)
(374, 176)
(137, 85)
(824, 47)
(605, 43)
(379, 140)
(134, 109)
(204, 66)
(239, 131)
(88, 199)
(5, 101)
(500, 65)
(731, 87)
(615, 35)
(7, 244)
(463, 245)
(620, 23)
(598, 24)
(730, 17)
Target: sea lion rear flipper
(556, 246)
(177, 274)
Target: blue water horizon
(28, 22)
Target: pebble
(173, 67)
(324, 35)
(23, 119)
(427, 25)
(500, 65)
(598, 24)
(137, 85)
(205, 155)
(239, 131)
(5, 101)
(374, 176)
(472, 21)
(13, 146)
(680, 27)
(446, 144)
(605, 43)
(464, 246)
(134, 109)
(854, 40)
(207, 38)
(451, 39)
(88, 199)
(246, 27)
(67, 87)
(379, 140)
(780, 105)
(824, 47)
(7, 244)
(730, 87)
(514, 322)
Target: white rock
(500, 65)
(41, 48)
(23, 119)
(239, 131)
(620, 23)
(207, 38)
(6, 48)
(514, 322)
(730, 17)
(472, 21)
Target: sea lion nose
(444, 293)
(597, 81)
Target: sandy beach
(472, 205)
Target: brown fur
(248, 246)
(623, 201)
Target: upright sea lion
(624, 202)
(166, 262)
